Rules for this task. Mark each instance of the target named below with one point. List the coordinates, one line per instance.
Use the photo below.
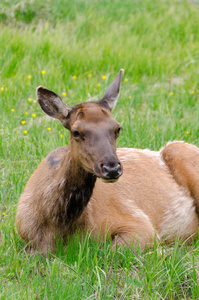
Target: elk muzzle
(109, 171)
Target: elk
(60, 188)
(157, 195)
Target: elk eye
(75, 133)
(119, 130)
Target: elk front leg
(183, 162)
(134, 232)
(39, 237)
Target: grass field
(76, 48)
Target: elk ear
(52, 104)
(109, 99)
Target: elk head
(93, 132)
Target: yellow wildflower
(23, 122)
(98, 85)
(25, 132)
(74, 76)
(104, 77)
(61, 135)
(3, 214)
(2, 88)
(29, 76)
(49, 129)
(90, 75)
(43, 72)
(33, 115)
(35, 101)
(29, 99)
(12, 109)
(64, 93)
(187, 132)
(26, 113)
(86, 90)
(130, 97)
(192, 92)
(126, 80)
(171, 94)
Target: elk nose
(111, 172)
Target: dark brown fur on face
(60, 188)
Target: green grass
(157, 43)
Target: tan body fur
(157, 195)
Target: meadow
(76, 48)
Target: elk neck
(78, 189)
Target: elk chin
(106, 180)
